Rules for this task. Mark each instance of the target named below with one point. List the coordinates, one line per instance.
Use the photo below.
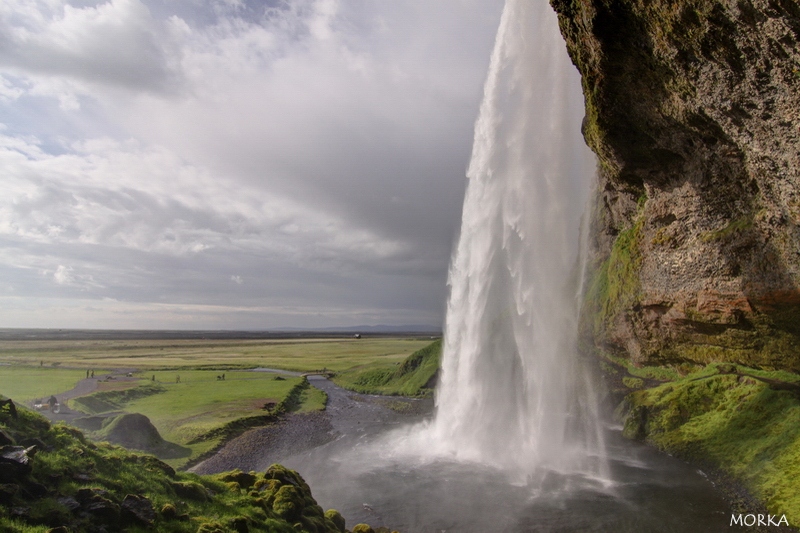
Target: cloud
(63, 275)
(316, 148)
(115, 43)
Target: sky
(234, 164)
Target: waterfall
(512, 392)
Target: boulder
(15, 463)
(137, 510)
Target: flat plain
(177, 383)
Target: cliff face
(693, 108)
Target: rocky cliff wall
(693, 108)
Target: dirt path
(82, 388)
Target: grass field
(199, 404)
(26, 383)
(186, 411)
(287, 354)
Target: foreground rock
(75, 485)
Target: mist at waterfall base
(516, 442)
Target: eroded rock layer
(693, 108)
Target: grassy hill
(415, 376)
(63, 483)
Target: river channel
(348, 455)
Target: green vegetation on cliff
(744, 422)
(415, 376)
(73, 483)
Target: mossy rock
(169, 511)
(288, 503)
(243, 479)
(362, 528)
(191, 490)
(336, 518)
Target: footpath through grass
(26, 383)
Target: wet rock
(99, 505)
(38, 444)
(82, 477)
(102, 510)
(137, 510)
(240, 525)
(15, 463)
(7, 493)
(68, 502)
(35, 490)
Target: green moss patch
(745, 422)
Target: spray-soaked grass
(25, 383)
(745, 427)
(288, 354)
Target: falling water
(514, 403)
(512, 393)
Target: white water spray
(512, 393)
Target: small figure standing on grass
(154, 377)
(92, 373)
(87, 373)
(177, 379)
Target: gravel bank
(347, 413)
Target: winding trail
(82, 388)
(347, 413)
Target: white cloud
(317, 148)
(63, 275)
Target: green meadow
(303, 355)
(25, 383)
(177, 385)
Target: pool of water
(363, 476)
